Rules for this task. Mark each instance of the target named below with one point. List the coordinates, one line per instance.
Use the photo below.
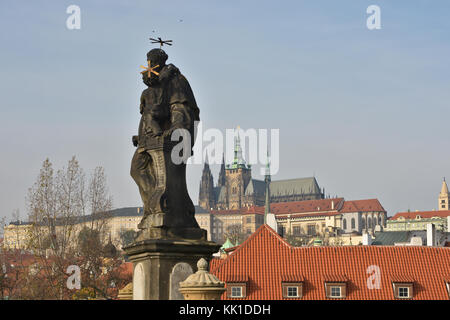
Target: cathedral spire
(444, 189)
(206, 193)
(238, 161)
(444, 197)
(221, 181)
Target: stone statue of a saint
(166, 105)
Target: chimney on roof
(332, 204)
(271, 221)
(367, 239)
(431, 235)
(416, 241)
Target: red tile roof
(404, 278)
(231, 249)
(310, 207)
(266, 259)
(254, 210)
(214, 263)
(236, 278)
(292, 278)
(368, 205)
(334, 278)
(422, 214)
(311, 214)
(307, 206)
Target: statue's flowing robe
(171, 90)
(174, 92)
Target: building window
(335, 292)
(292, 290)
(249, 219)
(297, 230)
(403, 292)
(281, 230)
(311, 229)
(353, 223)
(344, 224)
(369, 222)
(363, 223)
(236, 292)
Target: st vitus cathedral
(236, 188)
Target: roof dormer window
(237, 292)
(292, 286)
(336, 287)
(403, 287)
(336, 291)
(447, 284)
(237, 286)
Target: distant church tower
(444, 197)
(237, 189)
(206, 194)
(237, 177)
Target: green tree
(88, 239)
(235, 233)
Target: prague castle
(237, 189)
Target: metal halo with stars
(150, 69)
(161, 42)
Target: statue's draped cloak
(174, 91)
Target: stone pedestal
(154, 260)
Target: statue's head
(157, 57)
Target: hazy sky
(366, 112)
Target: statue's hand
(135, 140)
(168, 132)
